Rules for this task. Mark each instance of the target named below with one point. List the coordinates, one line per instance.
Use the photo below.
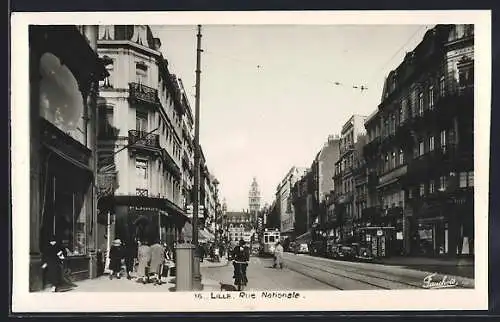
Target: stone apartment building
(420, 152)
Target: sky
(268, 98)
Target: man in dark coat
(241, 257)
(53, 256)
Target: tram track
(359, 279)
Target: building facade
(284, 198)
(63, 73)
(144, 133)
(343, 177)
(240, 225)
(327, 157)
(421, 145)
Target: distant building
(254, 198)
(343, 177)
(284, 199)
(239, 225)
(327, 157)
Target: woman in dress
(144, 257)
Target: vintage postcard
(259, 161)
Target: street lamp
(216, 184)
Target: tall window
(443, 138)
(141, 172)
(466, 179)
(401, 157)
(442, 87)
(386, 164)
(431, 143)
(141, 121)
(443, 183)
(432, 186)
(106, 121)
(108, 81)
(420, 103)
(402, 108)
(393, 159)
(421, 150)
(470, 181)
(463, 179)
(422, 189)
(431, 97)
(141, 73)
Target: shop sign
(380, 232)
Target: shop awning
(304, 238)
(164, 206)
(203, 235)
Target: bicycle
(240, 279)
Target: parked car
(331, 247)
(301, 248)
(345, 252)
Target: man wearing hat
(115, 259)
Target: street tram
(269, 239)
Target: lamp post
(196, 186)
(216, 184)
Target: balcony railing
(141, 192)
(140, 93)
(142, 139)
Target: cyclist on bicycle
(241, 256)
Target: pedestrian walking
(144, 257)
(201, 252)
(129, 253)
(53, 256)
(115, 259)
(157, 261)
(278, 256)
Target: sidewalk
(424, 261)
(454, 266)
(104, 284)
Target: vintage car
(301, 248)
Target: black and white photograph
(250, 161)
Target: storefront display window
(64, 214)
(61, 102)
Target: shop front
(144, 219)
(66, 200)
(63, 71)
(445, 229)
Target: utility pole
(196, 186)
(91, 32)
